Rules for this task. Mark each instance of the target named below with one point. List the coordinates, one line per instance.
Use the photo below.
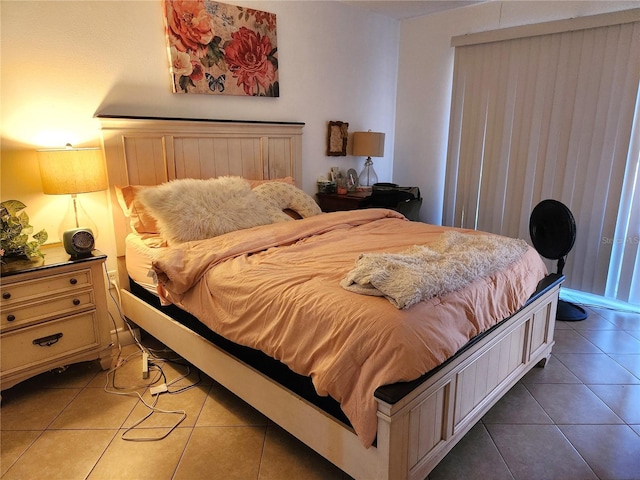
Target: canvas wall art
(221, 49)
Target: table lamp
(70, 171)
(368, 144)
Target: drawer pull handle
(6, 295)
(48, 340)
(11, 318)
(76, 302)
(73, 281)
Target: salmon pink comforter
(276, 288)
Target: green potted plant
(17, 251)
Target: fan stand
(570, 312)
(553, 232)
(567, 311)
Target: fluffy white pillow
(191, 209)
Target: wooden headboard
(150, 151)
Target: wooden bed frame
(415, 432)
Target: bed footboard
(415, 432)
(421, 428)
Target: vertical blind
(553, 115)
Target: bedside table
(332, 202)
(53, 315)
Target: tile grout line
(193, 429)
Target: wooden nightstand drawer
(332, 202)
(13, 293)
(49, 341)
(34, 312)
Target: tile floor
(577, 418)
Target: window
(551, 111)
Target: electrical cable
(155, 365)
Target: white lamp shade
(368, 144)
(72, 170)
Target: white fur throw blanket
(422, 272)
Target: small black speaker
(78, 242)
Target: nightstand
(332, 202)
(53, 315)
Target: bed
(391, 430)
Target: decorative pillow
(279, 196)
(191, 209)
(141, 220)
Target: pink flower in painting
(189, 23)
(247, 58)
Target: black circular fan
(553, 233)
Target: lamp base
(76, 217)
(368, 176)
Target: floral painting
(221, 49)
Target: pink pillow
(141, 220)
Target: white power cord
(147, 365)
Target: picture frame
(337, 136)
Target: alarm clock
(78, 242)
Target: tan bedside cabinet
(53, 315)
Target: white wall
(64, 61)
(425, 80)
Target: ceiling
(402, 9)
